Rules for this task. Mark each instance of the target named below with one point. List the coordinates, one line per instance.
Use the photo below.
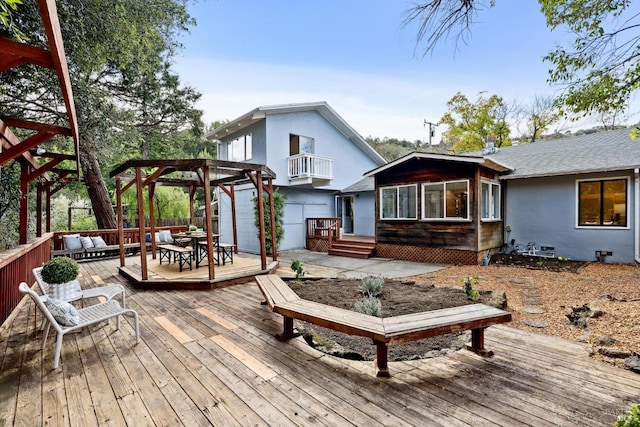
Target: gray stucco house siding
(544, 210)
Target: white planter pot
(69, 291)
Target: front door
(347, 214)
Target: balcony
(309, 169)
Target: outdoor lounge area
(211, 358)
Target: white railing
(310, 165)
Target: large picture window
(602, 202)
(445, 200)
(490, 201)
(240, 149)
(398, 202)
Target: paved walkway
(324, 265)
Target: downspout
(636, 214)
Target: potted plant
(61, 274)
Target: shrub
(468, 282)
(369, 305)
(278, 206)
(371, 286)
(60, 270)
(631, 418)
(297, 268)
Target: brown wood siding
(490, 235)
(460, 235)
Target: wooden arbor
(14, 54)
(192, 174)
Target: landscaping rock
(633, 363)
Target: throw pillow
(157, 234)
(86, 241)
(64, 313)
(72, 241)
(98, 242)
(165, 236)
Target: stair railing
(324, 228)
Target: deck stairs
(353, 248)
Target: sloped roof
(366, 184)
(485, 161)
(260, 113)
(596, 152)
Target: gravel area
(612, 290)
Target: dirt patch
(397, 298)
(538, 263)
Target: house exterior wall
(544, 211)
(270, 146)
(365, 211)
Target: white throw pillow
(165, 236)
(98, 242)
(86, 241)
(72, 241)
(64, 313)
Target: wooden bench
(179, 253)
(383, 331)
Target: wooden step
(352, 253)
(353, 244)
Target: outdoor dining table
(199, 247)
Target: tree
(7, 7)
(127, 100)
(471, 124)
(599, 72)
(539, 115)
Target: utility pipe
(636, 197)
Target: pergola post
(141, 225)
(261, 228)
(120, 219)
(24, 204)
(152, 219)
(207, 215)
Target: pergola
(14, 54)
(192, 174)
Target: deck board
(233, 371)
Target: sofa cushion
(64, 313)
(98, 242)
(86, 241)
(72, 241)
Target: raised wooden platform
(210, 358)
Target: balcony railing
(310, 169)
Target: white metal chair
(88, 316)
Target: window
(490, 200)
(602, 203)
(240, 149)
(445, 200)
(301, 145)
(398, 202)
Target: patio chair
(85, 317)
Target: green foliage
(278, 206)
(468, 283)
(371, 286)
(60, 270)
(470, 124)
(369, 305)
(297, 268)
(631, 418)
(7, 7)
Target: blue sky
(357, 56)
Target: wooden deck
(210, 358)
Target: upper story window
(445, 200)
(398, 202)
(299, 144)
(602, 202)
(240, 149)
(490, 200)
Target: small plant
(297, 268)
(631, 418)
(540, 263)
(369, 305)
(60, 270)
(193, 228)
(468, 282)
(371, 286)
(563, 259)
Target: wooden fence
(15, 267)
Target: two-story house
(314, 153)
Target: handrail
(15, 267)
(324, 228)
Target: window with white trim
(399, 202)
(445, 200)
(240, 149)
(490, 201)
(602, 203)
